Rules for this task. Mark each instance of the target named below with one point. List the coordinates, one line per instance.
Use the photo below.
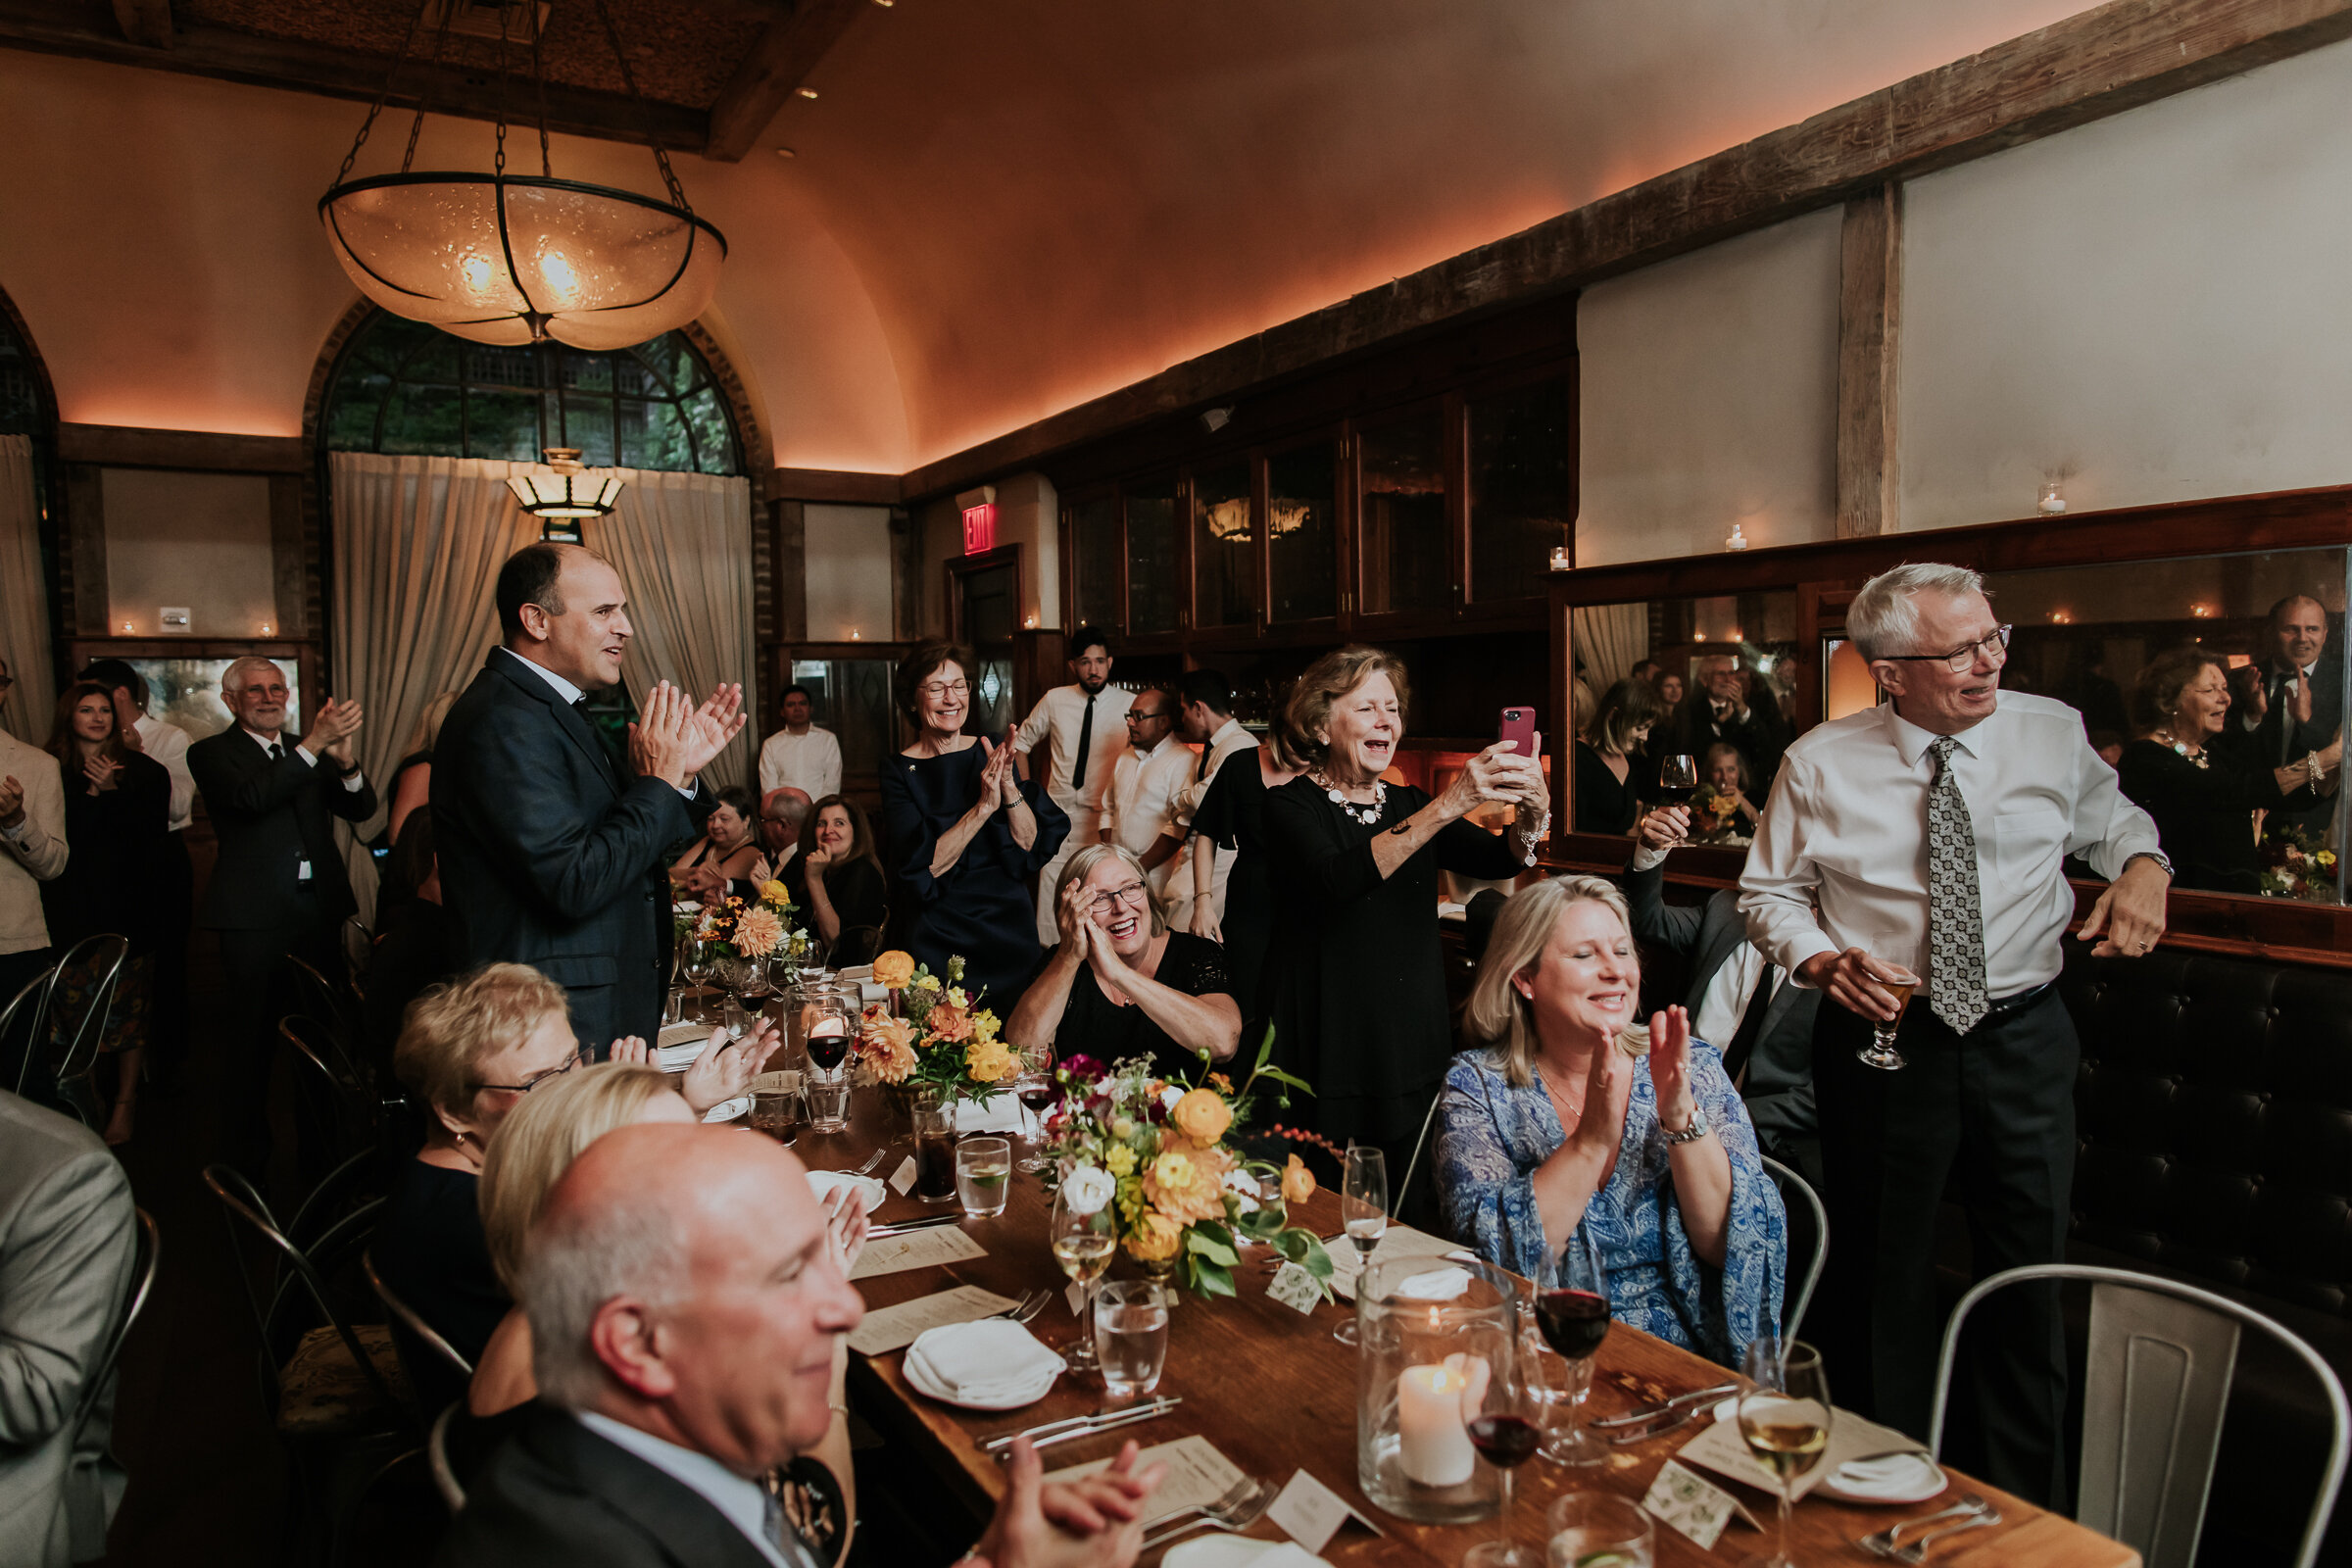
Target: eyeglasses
(261, 691)
(1132, 896)
(945, 688)
(1133, 717)
(1994, 647)
(536, 1079)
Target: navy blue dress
(982, 906)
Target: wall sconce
(1699, 636)
(2201, 611)
(1029, 621)
(1738, 636)
(127, 626)
(1738, 540)
(2051, 502)
(1559, 557)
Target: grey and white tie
(1955, 910)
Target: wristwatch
(1695, 1132)
(2162, 863)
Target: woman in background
(1608, 785)
(729, 845)
(1724, 780)
(412, 788)
(836, 881)
(1233, 816)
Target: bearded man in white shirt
(1083, 727)
(1933, 829)
(801, 756)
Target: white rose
(1088, 1188)
(1169, 1095)
(1243, 1187)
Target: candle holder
(1433, 1336)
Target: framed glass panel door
(1303, 536)
(1095, 540)
(1152, 590)
(1522, 488)
(1402, 542)
(1224, 547)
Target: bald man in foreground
(685, 1301)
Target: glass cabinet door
(1095, 537)
(1224, 547)
(1151, 585)
(1303, 536)
(1522, 488)
(1402, 542)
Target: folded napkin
(1438, 1284)
(679, 1045)
(1240, 1551)
(1896, 1477)
(823, 1183)
(998, 1113)
(997, 1361)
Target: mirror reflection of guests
(2203, 783)
(1557, 1126)
(1730, 704)
(1609, 781)
(2301, 705)
(1722, 808)
(1669, 688)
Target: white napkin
(679, 1045)
(999, 1112)
(1897, 1477)
(1438, 1284)
(988, 1362)
(823, 1182)
(1240, 1551)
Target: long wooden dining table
(1275, 1393)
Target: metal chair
(356, 1113)
(1794, 1187)
(856, 945)
(427, 1335)
(359, 945)
(318, 997)
(73, 1040)
(1412, 1167)
(436, 1455)
(22, 1020)
(2154, 1395)
(146, 1255)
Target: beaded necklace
(1366, 815)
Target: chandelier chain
(497, 157)
(628, 79)
(382, 96)
(547, 166)
(424, 99)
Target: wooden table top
(1275, 1393)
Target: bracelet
(2312, 770)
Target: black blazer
(555, 1494)
(270, 817)
(1778, 1088)
(2279, 740)
(553, 857)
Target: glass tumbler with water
(1588, 1529)
(1131, 1336)
(983, 1170)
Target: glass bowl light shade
(504, 258)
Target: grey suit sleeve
(1674, 927)
(65, 1264)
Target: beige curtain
(23, 598)
(1610, 640)
(682, 544)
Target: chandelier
(564, 494)
(513, 259)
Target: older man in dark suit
(279, 886)
(2300, 704)
(551, 855)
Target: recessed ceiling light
(807, 92)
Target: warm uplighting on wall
(127, 626)
(265, 630)
(1699, 636)
(1738, 636)
(1029, 621)
(853, 634)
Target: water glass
(1598, 1527)
(983, 1170)
(1131, 1336)
(828, 1101)
(777, 1113)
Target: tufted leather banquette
(2214, 1113)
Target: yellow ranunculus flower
(985, 1025)
(1154, 1237)
(892, 969)
(1203, 1116)
(1298, 1182)
(1172, 1171)
(775, 893)
(1121, 1160)
(929, 982)
(986, 1062)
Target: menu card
(1399, 1241)
(1719, 1447)
(1198, 1475)
(894, 1328)
(924, 1248)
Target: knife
(1083, 1426)
(1669, 1408)
(929, 1222)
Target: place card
(1295, 1288)
(902, 1180)
(1198, 1475)
(1311, 1513)
(894, 1328)
(1719, 1447)
(1400, 1241)
(909, 1249)
(1687, 1502)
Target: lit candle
(1432, 1444)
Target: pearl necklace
(2199, 757)
(1366, 815)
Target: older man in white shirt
(1082, 727)
(1143, 785)
(32, 850)
(1930, 833)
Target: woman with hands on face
(1122, 983)
(836, 880)
(1570, 1114)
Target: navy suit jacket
(2279, 740)
(270, 817)
(551, 856)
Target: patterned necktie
(1955, 911)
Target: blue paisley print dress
(1491, 1139)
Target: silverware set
(927, 1223)
(1243, 1502)
(1082, 1426)
(1968, 1514)
(1660, 1419)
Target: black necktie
(1751, 1024)
(277, 752)
(1086, 744)
(1200, 771)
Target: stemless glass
(1784, 1420)
(1083, 1245)
(1894, 965)
(1504, 1429)
(1364, 1210)
(1573, 1321)
(983, 1170)
(1599, 1526)
(1131, 1336)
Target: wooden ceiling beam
(2089, 65)
(294, 65)
(786, 52)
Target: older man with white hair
(1931, 832)
(686, 1300)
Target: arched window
(405, 387)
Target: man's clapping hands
(674, 740)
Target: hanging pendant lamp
(564, 494)
(513, 259)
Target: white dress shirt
(34, 851)
(1055, 720)
(743, 1501)
(167, 744)
(1841, 855)
(1144, 786)
(810, 763)
(351, 781)
(1229, 738)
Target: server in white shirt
(32, 850)
(1083, 728)
(1150, 773)
(2302, 704)
(1205, 718)
(806, 756)
(1937, 823)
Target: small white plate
(740, 1105)
(1901, 1478)
(924, 1385)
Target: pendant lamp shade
(563, 489)
(510, 259)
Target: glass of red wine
(1573, 1321)
(1037, 1091)
(832, 1026)
(1506, 1434)
(1678, 777)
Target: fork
(1881, 1542)
(1243, 1501)
(872, 1163)
(1028, 1307)
(1917, 1551)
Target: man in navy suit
(2300, 704)
(551, 855)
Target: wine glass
(698, 957)
(1785, 1421)
(1678, 777)
(1036, 1090)
(1894, 965)
(831, 1019)
(1573, 1321)
(1504, 1431)
(1083, 1245)
(1364, 1210)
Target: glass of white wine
(1364, 1211)
(1784, 1420)
(1083, 1245)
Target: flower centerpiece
(938, 1037)
(1714, 813)
(750, 932)
(2298, 865)
(1124, 1136)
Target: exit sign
(980, 528)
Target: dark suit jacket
(1779, 1089)
(270, 816)
(555, 1494)
(1763, 735)
(2279, 740)
(551, 856)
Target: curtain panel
(1610, 640)
(23, 598)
